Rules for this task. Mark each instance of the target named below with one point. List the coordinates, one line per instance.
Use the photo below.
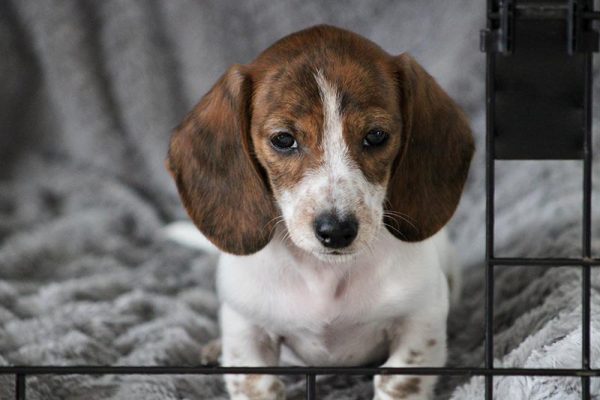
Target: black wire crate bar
(351, 371)
(544, 262)
(310, 373)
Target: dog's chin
(335, 257)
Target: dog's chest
(330, 314)
(329, 319)
(323, 317)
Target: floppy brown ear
(432, 166)
(218, 179)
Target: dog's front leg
(419, 341)
(245, 344)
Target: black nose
(335, 232)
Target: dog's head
(328, 133)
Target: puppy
(325, 171)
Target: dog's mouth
(339, 253)
(336, 256)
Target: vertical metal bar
(585, 388)
(586, 225)
(311, 387)
(489, 220)
(20, 387)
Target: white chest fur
(335, 314)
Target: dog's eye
(284, 141)
(375, 137)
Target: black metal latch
(580, 37)
(539, 55)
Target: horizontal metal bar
(546, 13)
(204, 370)
(545, 262)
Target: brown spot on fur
(401, 389)
(341, 288)
(385, 380)
(431, 342)
(414, 357)
(209, 354)
(405, 389)
(251, 390)
(276, 387)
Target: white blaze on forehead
(335, 150)
(337, 160)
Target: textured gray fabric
(89, 91)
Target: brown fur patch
(414, 357)
(289, 97)
(210, 158)
(341, 288)
(400, 388)
(431, 342)
(210, 353)
(405, 389)
(437, 149)
(250, 388)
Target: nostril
(335, 232)
(324, 228)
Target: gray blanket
(89, 91)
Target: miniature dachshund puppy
(325, 171)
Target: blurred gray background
(89, 92)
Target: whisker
(395, 230)
(278, 219)
(370, 248)
(408, 217)
(401, 217)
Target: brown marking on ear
(219, 181)
(432, 165)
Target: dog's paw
(394, 387)
(255, 387)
